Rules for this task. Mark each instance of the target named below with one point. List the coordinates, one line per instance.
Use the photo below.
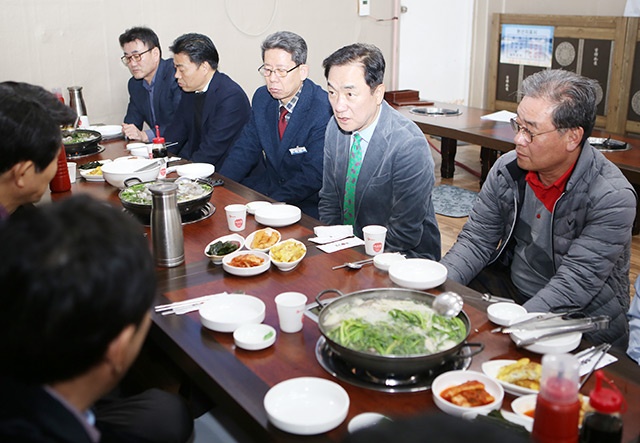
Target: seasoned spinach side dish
(223, 248)
(393, 327)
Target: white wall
(60, 43)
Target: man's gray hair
(289, 42)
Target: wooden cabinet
(606, 49)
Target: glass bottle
(557, 406)
(603, 424)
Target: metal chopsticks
(602, 349)
(185, 306)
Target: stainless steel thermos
(77, 102)
(166, 225)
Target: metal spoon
(354, 265)
(448, 304)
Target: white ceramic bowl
(195, 170)
(217, 259)
(252, 207)
(115, 173)
(249, 240)
(306, 405)
(454, 378)
(246, 272)
(554, 345)
(227, 312)
(522, 405)
(386, 259)
(418, 273)
(287, 266)
(254, 337)
(504, 314)
(278, 215)
(140, 151)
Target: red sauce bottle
(603, 424)
(61, 182)
(557, 406)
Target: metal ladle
(448, 304)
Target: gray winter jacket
(591, 232)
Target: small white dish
(365, 420)
(523, 405)
(254, 337)
(268, 231)
(491, 368)
(505, 313)
(417, 273)
(252, 207)
(141, 151)
(90, 175)
(386, 259)
(284, 265)
(217, 259)
(246, 272)
(306, 405)
(277, 216)
(227, 312)
(195, 170)
(553, 345)
(455, 378)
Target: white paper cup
(290, 307)
(72, 171)
(374, 236)
(236, 217)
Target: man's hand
(133, 133)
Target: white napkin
(339, 245)
(328, 234)
(586, 366)
(500, 116)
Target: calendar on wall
(591, 46)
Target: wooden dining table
(238, 380)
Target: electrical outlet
(364, 7)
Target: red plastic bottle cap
(158, 141)
(604, 399)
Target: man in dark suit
(285, 167)
(378, 168)
(154, 94)
(214, 109)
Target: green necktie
(355, 161)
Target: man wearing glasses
(551, 227)
(154, 94)
(280, 150)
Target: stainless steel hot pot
(397, 366)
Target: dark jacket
(289, 170)
(225, 111)
(166, 97)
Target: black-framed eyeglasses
(528, 135)
(126, 59)
(280, 72)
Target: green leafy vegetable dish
(223, 247)
(187, 191)
(385, 326)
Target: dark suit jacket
(286, 172)
(225, 111)
(394, 185)
(29, 413)
(166, 97)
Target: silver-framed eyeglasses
(126, 59)
(528, 135)
(280, 72)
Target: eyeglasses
(280, 72)
(126, 59)
(528, 135)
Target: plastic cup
(374, 236)
(236, 217)
(71, 166)
(290, 306)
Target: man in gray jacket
(552, 224)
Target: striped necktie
(355, 161)
(282, 122)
